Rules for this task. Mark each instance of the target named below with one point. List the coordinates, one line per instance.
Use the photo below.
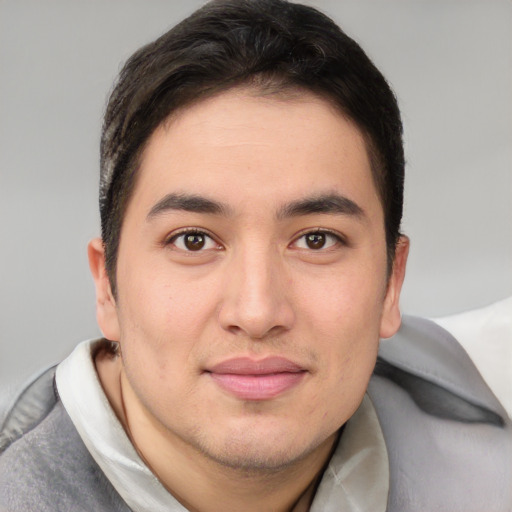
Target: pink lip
(248, 379)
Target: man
(250, 260)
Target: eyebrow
(332, 203)
(189, 203)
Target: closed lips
(248, 379)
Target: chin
(260, 450)
(255, 460)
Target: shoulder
(486, 335)
(449, 439)
(44, 465)
(432, 366)
(29, 407)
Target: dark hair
(272, 45)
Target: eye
(317, 240)
(193, 241)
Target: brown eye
(318, 240)
(194, 241)
(315, 240)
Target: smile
(247, 379)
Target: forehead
(261, 144)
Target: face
(252, 283)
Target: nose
(256, 297)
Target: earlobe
(391, 316)
(106, 311)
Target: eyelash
(338, 239)
(171, 240)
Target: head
(251, 197)
(274, 46)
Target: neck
(202, 485)
(199, 482)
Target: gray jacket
(449, 440)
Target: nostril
(233, 329)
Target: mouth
(248, 379)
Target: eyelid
(171, 238)
(340, 239)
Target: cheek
(343, 319)
(164, 304)
(164, 318)
(350, 366)
(348, 302)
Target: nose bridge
(256, 301)
(257, 287)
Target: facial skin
(254, 231)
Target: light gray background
(449, 61)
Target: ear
(106, 311)
(391, 317)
